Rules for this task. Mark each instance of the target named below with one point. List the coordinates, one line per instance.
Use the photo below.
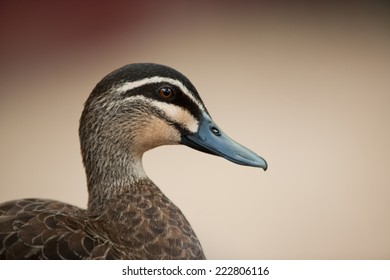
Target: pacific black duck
(133, 109)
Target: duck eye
(166, 92)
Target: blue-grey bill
(210, 139)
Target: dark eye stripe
(152, 91)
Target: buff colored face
(168, 112)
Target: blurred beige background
(305, 87)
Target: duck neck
(111, 175)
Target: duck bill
(211, 139)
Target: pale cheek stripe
(173, 112)
(157, 79)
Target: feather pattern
(139, 225)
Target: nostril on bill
(215, 131)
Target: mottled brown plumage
(140, 224)
(133, 109)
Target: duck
(133, 109)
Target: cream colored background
(307, 88)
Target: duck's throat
(109, 177)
